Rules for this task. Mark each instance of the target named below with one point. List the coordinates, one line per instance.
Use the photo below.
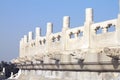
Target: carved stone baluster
(76, 35)
(105, 30)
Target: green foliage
(9, 67)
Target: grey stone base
(67, 75)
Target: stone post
(37, 36)
(89, 15)
(48, 33)
(24, 47)
(66, 25)
(118, 30)
(66, 22)
(30, 36)
(21, 46)
(49, 28)
(25, 39)
(87, 30)
(38, 32)
(21, 42)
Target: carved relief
(54, 55)
(78, 54)
(15, 61)
(39, 57)
(112, 52)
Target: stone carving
(28, 59)
(54, 55)
(112, 52)
(39, 57)
(15, 61)
(78, 54)
(21, 59)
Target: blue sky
(18, 17)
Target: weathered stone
(81, 53)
